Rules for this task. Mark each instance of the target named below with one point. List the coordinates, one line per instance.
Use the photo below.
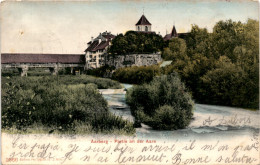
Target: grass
(101, 83)
(81, 128)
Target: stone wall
(120, 61)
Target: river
(210, 121)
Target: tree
(220, 67)
(226, 36)
(164, 103)
(177, 49)
(134, 42)
(199, 41)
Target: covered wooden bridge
(52, 61)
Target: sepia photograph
(166, 82)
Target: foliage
(229, 84)
(136, 42)
(219, 67)
(9, 72)
(30, 100)
(102, 83)
(135, 74)
(65, 71)
(177, 49)
(163, 103)
(103, 71)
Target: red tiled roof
(92, 46)
(109, 36)
(167, 37)
(95, 45)
(171, 35)
(101, 46)
(143, 21)
(8, 58)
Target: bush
(230, 85)
(162, 104)
(31, 100)
(102, 83)
(10, 72)
(136, 74)
(103, 71)
(41, 103)
(108, 122)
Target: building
(97, 49)
(174, 34)
(54, 62)
(143, 25)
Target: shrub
(31, 100)
(103, 71)
(164, 96)
(102, 83)
(230, 85)
(136, 74)
(108, 122)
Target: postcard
(130, 82)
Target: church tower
(143, 25)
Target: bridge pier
(23, 70)
(54, 70)
(75, 70)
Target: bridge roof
(8, 58)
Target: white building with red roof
(97, 48)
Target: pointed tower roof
(171, 35)
(143, 21)
(174, 32)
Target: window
(138, 28)
(146, 28)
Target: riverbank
(209, 121)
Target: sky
(67, 27)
